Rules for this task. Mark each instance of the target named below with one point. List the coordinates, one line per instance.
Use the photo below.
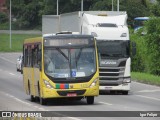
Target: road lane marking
(105, 103)
(7, 60)
(11, 73)
(149, 91)
(36, 107)
(152, 98)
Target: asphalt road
(142, 97)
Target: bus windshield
(69, 62)
(69, 57)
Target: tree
(153, 45)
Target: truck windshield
(69, 62)
(113, 49)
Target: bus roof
(33, 40)
(49, 36)
(141, 18)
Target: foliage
(135, 8)
(29, 12)
(3, 17)
(146, 78)
(138, 63)
(155, 9)
(153, 45)
(148, 48)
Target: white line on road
(149, 91)
(105, 103)
(7, 60)
(11, 73)
(40, 108)
(152, 98)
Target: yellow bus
(61, 66)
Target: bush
(147, 58)
(138, 63)
(3, 18)
(153, 45)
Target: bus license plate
(71, 94)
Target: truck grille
(111, 75)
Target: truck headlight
(124, 35)
(47, 84)
(94, 83)
(126, 80)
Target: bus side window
(35, 56)
(25, 55)
(32, 55)
(29, 56)
(39, 56)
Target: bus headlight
(47, 84)
(126, 80)
(94, 83)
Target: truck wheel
(125, 92)
(90, 99)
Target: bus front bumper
(60, 93)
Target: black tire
(90, 99)
(33, 99)
(125, 92)
(29, 90)
(42, 101)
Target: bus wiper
(78, 56)
(64, 55)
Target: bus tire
(42, 101)
(33, 99)
(90, 99)
(29, 90)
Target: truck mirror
(134, 49)
(133, 44)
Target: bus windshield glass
(69, 61)
(113, 49)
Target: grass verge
(16, 42)
(146, 78)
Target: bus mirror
(133, 48)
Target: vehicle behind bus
(61, 66)
(139, 22)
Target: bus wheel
(33, 99)
(42, 101)
(90, 99)
(29, 90)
